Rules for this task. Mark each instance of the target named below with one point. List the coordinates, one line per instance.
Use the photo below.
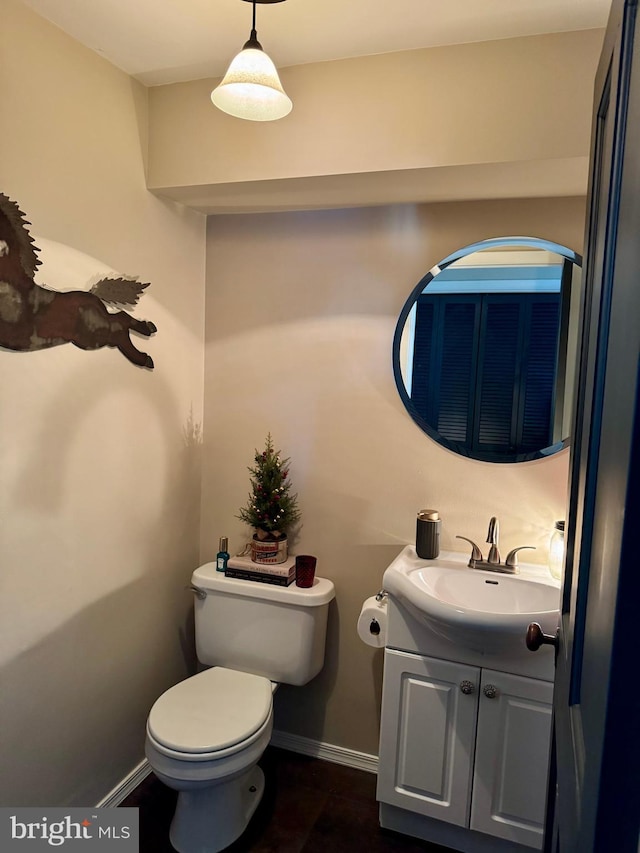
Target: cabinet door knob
(490, 691)
(467, 687)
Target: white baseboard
(326, 751)
(126, 786)
(294, 743)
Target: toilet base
(209, 819)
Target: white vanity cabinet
(464, 747)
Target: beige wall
(99, 460)
(414, 119)
(300, 315)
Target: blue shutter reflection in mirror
(459, 347)
(499, 376)
(483, 351)
(539, 385)
(422, 377)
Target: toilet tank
(278, 632)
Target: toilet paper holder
(374, 627)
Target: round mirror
(485, 348)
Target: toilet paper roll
(372, 622)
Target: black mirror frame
(455, 447)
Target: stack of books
(244, 568)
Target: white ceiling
(166, 41)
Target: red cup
(305, 570)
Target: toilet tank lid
(322, 591)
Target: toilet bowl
(206, 734)
(204, 738)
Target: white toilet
(205, 735)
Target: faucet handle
(512, 560)
(476, 553)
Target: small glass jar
(556, 551)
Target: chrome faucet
(493, 534)
(492, 563)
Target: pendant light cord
(253, 42)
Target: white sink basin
(486, 611)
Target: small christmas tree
(271, 509)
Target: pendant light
(251, 88)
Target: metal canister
(428, 534)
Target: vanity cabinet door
(427, 735)
(512, 757)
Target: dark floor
(309, 806)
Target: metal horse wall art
(34, 317)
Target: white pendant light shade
(251, 88)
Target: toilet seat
(210, 715)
